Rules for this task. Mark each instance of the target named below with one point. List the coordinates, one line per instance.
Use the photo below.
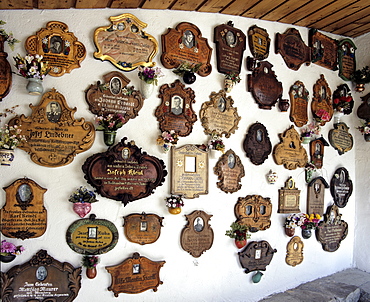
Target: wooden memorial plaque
(125, 44)
(189, 171)
(259, 42)
(23, 214)
(346, 59)
(322, 104)
(135, 275)
(340, 138)
(218, 116)
(43, 278)
(363, 111)
(299, 97)
(254, 211)
(124, 173)
(186, 44)
(290, 152)
(256, 256)
(341, 187)
(197, 236)
(142, 228)
(289, 198)
(176, 111)
(53, 136)
(257, 145)
(317, 151)
(265, 87)
(332, 230)
(342, 99)
(324, 50)
(315, 195)
(114, 96)
(230, 46)
(294, 251)
(5, 70)
(59, 47)
(230, 171)
(92, 236)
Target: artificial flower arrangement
(109, 122)
(90, 261)
(311, 221)
(322, 116)
(216, 143)
(364, 128)
(10, 136)
(82, 194)
(342, 99)
(174, 203)
(239, 232)
(8, 37)
(8, 248)
(294, 220)
(310, 130)
(233, 76)
(168, 139)
(150, 75)
(31, 66)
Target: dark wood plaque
(142, 228)
(23, 214)
(289, 198)
(114, 96)
(315, 195)
(290, 152)
(259, 42)
(218, 116)
(175, 111)
(346, 59)
(257, 145)
(324, 50)
(341, 187)
(332, 230)
(124, 172)
(53, 136)
(317, 151)
(340, 138)
(256, 256)
(342, 99)
(59, 47)
(322, 101)
(294, 251)
(125, 44)
(299, 97)
(230, 171)
(254, 211)
(5, 71)
(197, 236)
(292, 48)
(363, 111)
(230, 46)
(43, 278)
(135, 275)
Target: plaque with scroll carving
(299, 97)
(259, 42)
(230, 171)
(142, 228)
(340, 138)
(186, 44)
(341, 187)
(315, 195)
(43, 278)
(317, 151)
(294, 251)
(257, 145)
(363, 111)
(23, 214)
(290, 152)
(59, 47)
(135, 275)
(197, 236)
(322, 104)
(346, 59)
(324, 50)
(124, 43)
(218, 116)
(289, 198)
(124, 173)
(53, 136)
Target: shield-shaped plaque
(341, 187)
(257, 145)
(340, 138)
(294, 251)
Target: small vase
(257, 277)
(306, 234)
(109, 137)
(189, 77)
(91, 272)
(174, 211)
(228, 85)
(34, 86)
(337, 116)
(360, 87)
(272, 177)
(146, 89)
(240, 243)
(308, 175)
(7, 258)
(6, 156)
(306, 139)
(289, 232)
(166, 148)
(82, 208)
(367, 137)
(283, 105)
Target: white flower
(67, 43)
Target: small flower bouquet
(150, 75)
(294, 220)
(82, 195)
(233, 76)
(109, 122)
(90, 261)
(31, 66)
(342, 99)
(309, 169)
(167, 139)
(322, 116)
(8, 248)
(8, 37)
(216, 143)
(364, 128)
(238, 231)
(311, 221)
(310, 130)
(174, 204)
(10, 137)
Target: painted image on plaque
(115, 85)
(176, 105)
(53, 112)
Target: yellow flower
(318, 216)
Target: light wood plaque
(294, 251)
(322, 100)
(299, 97)
(289, 198)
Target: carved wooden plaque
(256, 256)
(43, 278)
(363, 111)
(340, 138)
(23, 214)
(317, 151)
(230, 171)
(92, 236)
(5, 71)
(257, 145)
(324, 50)
(321, 101)
(142, 228)
(254, 211)
(189, 171)
(59, 47)
(341, 187)
(197, 236)
(53, 136)
(315, 195)
(332, 230)
(230, 46)
(265, 88)
(186, 44)
(299, 97)
(346, 59)
(135, 275)
(114, 96)
(294, 251)
(176, 111)
(259, 42)
(124, 172)
(290, 152)
(218, 116)
(124, 43)
(289, 198)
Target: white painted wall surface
(217, 275)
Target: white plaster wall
(217, 275)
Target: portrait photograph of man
(53, 112)
(115, 85)
(56, 44)
(188, 39)
(176, 105)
